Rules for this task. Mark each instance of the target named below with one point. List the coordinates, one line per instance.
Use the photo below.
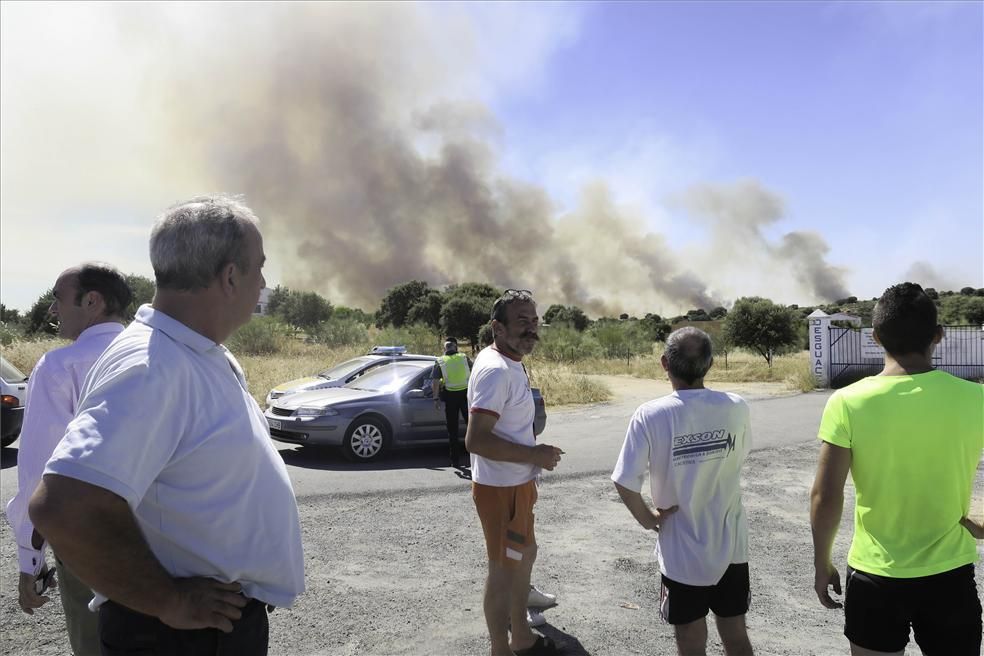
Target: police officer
(449, 382)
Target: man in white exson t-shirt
(693, 443)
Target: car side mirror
(415, 394)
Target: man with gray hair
(166, 496)
(692, 443)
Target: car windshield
(344, 369)
(10, 373)
(390, 377)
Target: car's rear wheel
(365, 440)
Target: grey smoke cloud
(738, 215)
(925, 274)
(355, 133)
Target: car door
(422, 421)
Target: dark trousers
(455, 404)
(124, 632)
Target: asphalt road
(591, 437)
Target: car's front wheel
(365, 440)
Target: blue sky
(865, 118)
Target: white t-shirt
(499, 386)
(165, 422)
(693, 444)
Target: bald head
(688, 354)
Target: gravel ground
(402, 573)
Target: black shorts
(680, 603)
(943, 610)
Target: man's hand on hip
(659, 517)
(976, 528)
(546, 456)
(203, 603)
(27, 597)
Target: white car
(345, 372)
(13, 398)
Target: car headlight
(305, 411)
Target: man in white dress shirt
(90, 301)
(166, 495)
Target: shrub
(417, 338)
(564, 343)
(261, 336)
(339, 332)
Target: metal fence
(853, 354)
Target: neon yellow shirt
(915, 443)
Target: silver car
(345, 372)
(391, 406)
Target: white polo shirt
(500, 387)
(693, 444)
(166, 422)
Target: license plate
(274, 423)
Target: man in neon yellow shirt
(911, 438)
(449, 383)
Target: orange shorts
(506, 514)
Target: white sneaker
(540, 599)
(535, 617)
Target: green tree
(8, 315)
(38, 320)
(700, 314)
(932, 293)
(427, 310)
(464, 316)
(570, 315)
(657, 329)
(278, 297)
(759, 324)
(343, 313)
(143, 290)
(721, 312)
(305, 310)
(621, 338)
(397, 302)
(960, 309)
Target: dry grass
(24, 354)
(299, 359)
(561, 384)
(742, 367)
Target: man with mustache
(505, 463)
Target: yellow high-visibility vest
(455, 372)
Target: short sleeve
(835, 425)
(633, 461)
(124, 434)
(489, 390)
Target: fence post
(820, 347)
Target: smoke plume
(354, 132)
(739, 215)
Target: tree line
(414, 311)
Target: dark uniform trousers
(455, 405)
